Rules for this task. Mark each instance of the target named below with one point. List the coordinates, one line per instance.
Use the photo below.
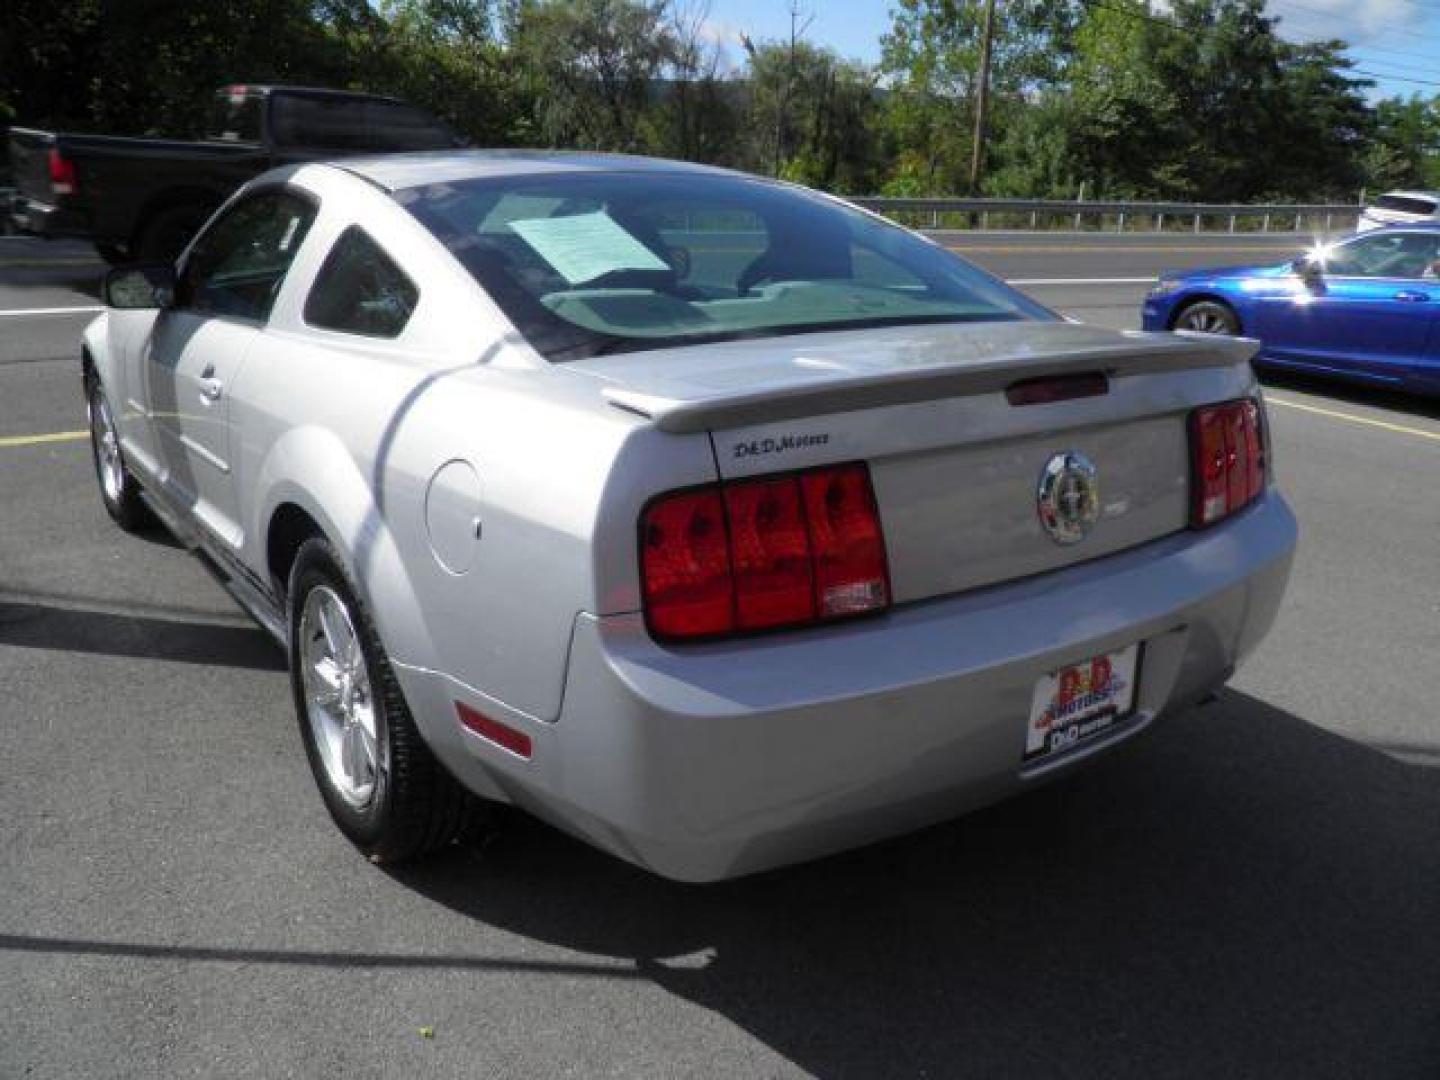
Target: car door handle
(1411, 296)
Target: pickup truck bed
(142, 198)
(125, 183)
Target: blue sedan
(1366, 308)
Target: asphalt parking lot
(1252, 891)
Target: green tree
(591, 66)
(811, 116)
(1405, 151)
(1207, 102)
(931, 58)
(444, 55)
(149, 66)
(698, 118)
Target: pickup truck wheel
(380, 782)
(119, 491)
(165, 235)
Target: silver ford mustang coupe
(714, 520)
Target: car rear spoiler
(1148, 354)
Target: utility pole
(982, 96)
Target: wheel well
(290, 527)
(87, 365)
(169, 199)
(1199, 298)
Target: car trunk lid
(955, 464)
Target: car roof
(1409, 226)
(395, 172)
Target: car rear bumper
(712, 761)
(40, 219)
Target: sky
(1397, 42)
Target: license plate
(1079, 703)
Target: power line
(1395, 78)
(1321, 14)
(1178, 29)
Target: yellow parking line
(7, 441)
(1401, 429)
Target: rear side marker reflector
(492, 730)
(1227, 460)
(775, 551)
(1045, 390)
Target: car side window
(236, 267)
(1392, 255)
(360, 290)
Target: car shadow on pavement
(77, 629)
(84, 281)
(1242, 894)
(1353, 393)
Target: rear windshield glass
(1408, 204)
(590, 263)
(340, 123)
(236, 117)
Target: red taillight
(770, 554)
(689, 589)
(763, 553)
(1228, 460)
(851, 573)
(62, 173)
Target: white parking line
(55, 311)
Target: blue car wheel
(1207, 317)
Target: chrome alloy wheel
(338, 699)
(1205, 319)
(107, 446)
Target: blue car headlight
(1164, 287)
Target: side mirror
(132, 287)
(1308, 267)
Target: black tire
(119, 490)
(1207, 317)
(166, 233)
(416, 807)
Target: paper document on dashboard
(581, 247)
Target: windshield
(338, 122)
(235, 116)
(591, 263)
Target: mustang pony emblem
(1068, 501)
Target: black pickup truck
(144, 198)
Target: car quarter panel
(459, 474)
(546, 520)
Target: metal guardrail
(932, 213)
